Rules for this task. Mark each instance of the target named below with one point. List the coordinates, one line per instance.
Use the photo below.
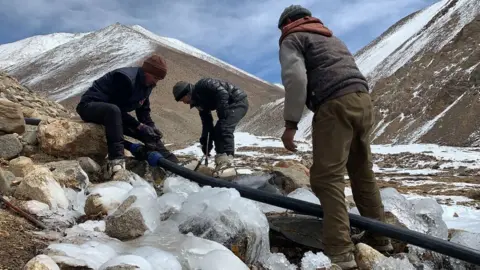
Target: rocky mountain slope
(424, 76)
(66, 67)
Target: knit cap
(155, 65)
(291, 11)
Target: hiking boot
(113, 166)
(223, 161)
(344, 261)
(381, 244)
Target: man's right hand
(148, 132)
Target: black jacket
(126, 88)
(210, 94)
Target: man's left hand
(287, 139)
(159, 133)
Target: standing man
(231, 104)
(319, 71)
(110, 98)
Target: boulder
(69, 173)
(136, 215)
(293, 164)
(21, 166)
(68, 138)
(40, 185)
(11, 117)
(367, 256)
(41, 262)
(89, 165)
(30, 135)
(30, 150)
(6, 179)
(10, 146)
(291, 178)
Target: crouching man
(319, 71)
(231, 105)
(110, 98)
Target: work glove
(158, 132)
(148, 134)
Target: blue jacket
(126, 88)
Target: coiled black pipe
(32, 121)
(412, 237)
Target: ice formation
(312, 261)
(278, 261)
(220, 214)
(390, 263)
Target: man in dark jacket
(110, 98)
(319, 71)
(231, 104)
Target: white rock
(366, 256)
(69, 173)
(41, 262)
(11, 117)
(40, 185)
(89, 165)
(69, 138)
(20, 166)
(10, 146)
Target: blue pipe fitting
(153, 158)
(134, 147)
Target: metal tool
(206, 152)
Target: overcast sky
(241, 32)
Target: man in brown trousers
(320, 72)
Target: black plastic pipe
(32, 121)
(405, 235)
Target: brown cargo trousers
(341, 129)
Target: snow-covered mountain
(63, 66)
(50, 54)
(424, 75)
(29, 48)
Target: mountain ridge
(64, 72)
